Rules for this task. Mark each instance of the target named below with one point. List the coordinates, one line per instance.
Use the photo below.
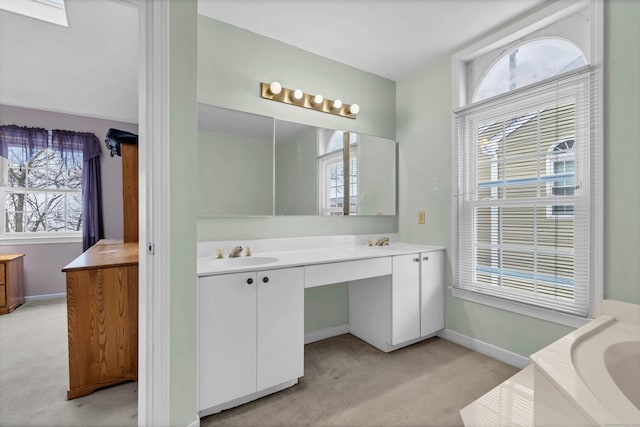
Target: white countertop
(209, 265)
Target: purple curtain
(75, 147)
(19, 144)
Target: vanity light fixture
(274, 91)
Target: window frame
(38, 237)
(510, 34)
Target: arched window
(527, 161)
(531, 62)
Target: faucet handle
(248, 251)
(219, 253)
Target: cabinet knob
(425, 258)
(265, 279)
(416, 260)
(249, 281)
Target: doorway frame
(154, 202)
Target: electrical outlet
(421, 217)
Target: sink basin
(244, 261)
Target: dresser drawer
(3, 295)
(2, 279)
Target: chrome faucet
(383, 241)
(235, 252)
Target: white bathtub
(592, 375)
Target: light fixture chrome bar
(306, 100)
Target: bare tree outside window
(42, 195)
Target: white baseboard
(506, 356)
(196, 423)
(326, 333)
(45, 296)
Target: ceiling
(390, 38)
(90, 68)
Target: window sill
(39, 240)
(524, 309)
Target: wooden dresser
(102, 314)
(11, 282)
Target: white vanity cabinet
(250, 336)
(431, 292)
(405, 298)
(393, 311)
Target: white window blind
(525, 184)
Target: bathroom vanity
(251, 309)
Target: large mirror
(251, 165)
(235, 163)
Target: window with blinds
(525, 169)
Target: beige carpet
(349, 383)
(346, 382)
(34, 375)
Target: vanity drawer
(337, 272)
(3, 295)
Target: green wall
(183, 154)
(622, 151)
(231, 64)
(425, 173)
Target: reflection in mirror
(235, 162)
(376, 176)
(296, 169)
(309, 172)
(331, 178)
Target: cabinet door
(432, 292)
(226, 338)
(280, 326)
(405, 299)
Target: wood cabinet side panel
(82, 324)
(16, 279)
(102, 325)
(130, 192)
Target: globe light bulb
(296, 95)
(337, 104)
(275, 88)
(318, 99)
(354, 109)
